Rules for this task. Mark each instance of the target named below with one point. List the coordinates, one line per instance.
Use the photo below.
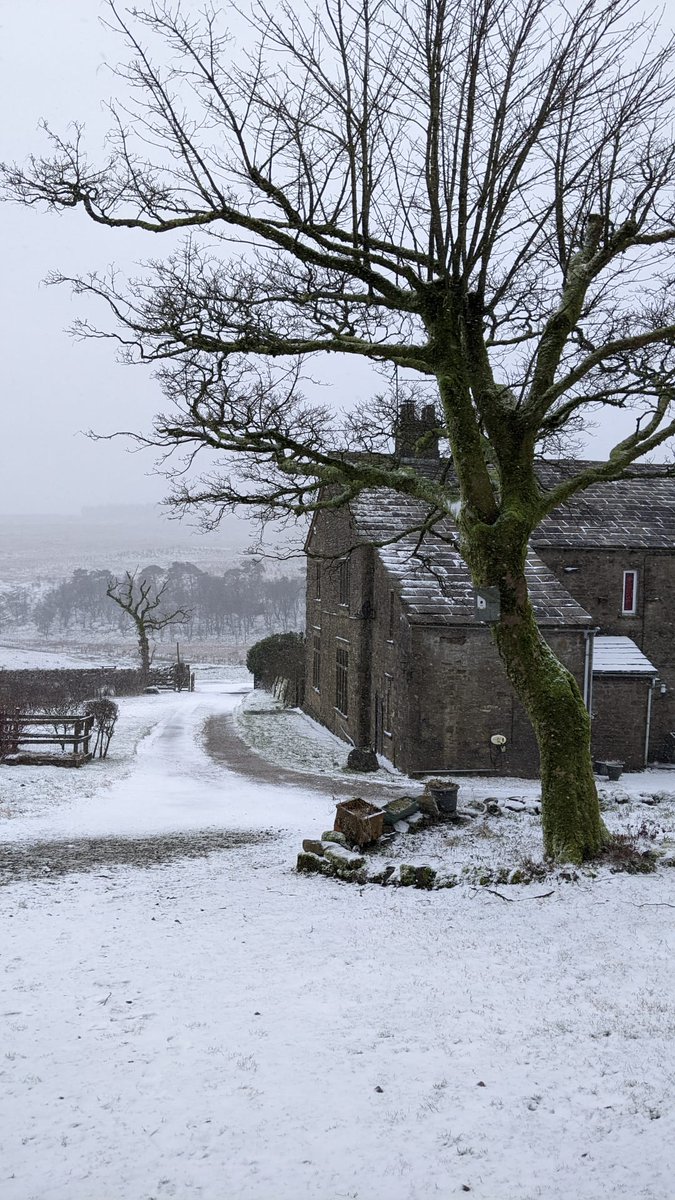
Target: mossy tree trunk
(501, 505)
(573, 829)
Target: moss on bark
(572, 826)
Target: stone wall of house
(429, 699)
(392, 658)
(445, 692)
(459, 697)
(595, 579)
(339, 627)
(620, 706)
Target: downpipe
(589, 643)
(650, 698)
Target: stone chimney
(413, 431)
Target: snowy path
(219, 1028)
(172, 784)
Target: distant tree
(283, 598)
(142, 599)
(80, 600)
(44, 613)
(15, 606)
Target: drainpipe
(650, 697)
(642, 593)
(589, 636)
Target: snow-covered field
(220, 1027)
(17, 657)
(99, 648)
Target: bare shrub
(105, 713)
(622, 853)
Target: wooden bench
(20, 731)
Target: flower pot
(445, 797)
(400, 809)
(361, 822)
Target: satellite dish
(498, 739)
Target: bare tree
(142, 600)
(477, 192)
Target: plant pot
(400, 809)
(445, 797)
(614, 770)
(361, 822)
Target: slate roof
(636, 513)
(433, 579)
(620, 656)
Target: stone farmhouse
(399, 659)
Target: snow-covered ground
(16, 657)
(156, 779)
(100, 648)
(222, 1027)
(289, 737)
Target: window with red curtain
(630, 582)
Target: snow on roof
(433, 579)
(620, 656)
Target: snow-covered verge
(289, 737)
(223, 1027)
(499, 827)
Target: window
(386, 715)
(343, 581)
(630, 593)
(341, 680)
(392, 615)
(317, 581)
(316, 661)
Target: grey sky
(53, 57)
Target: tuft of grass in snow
(623, 853)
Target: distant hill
(118, 537)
